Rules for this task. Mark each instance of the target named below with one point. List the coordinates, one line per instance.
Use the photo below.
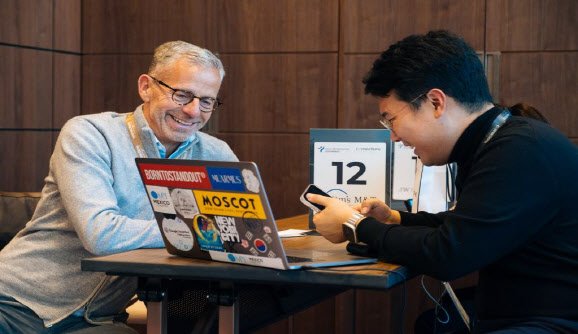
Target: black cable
(450, 183)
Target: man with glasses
(94, 202)
(515, 219)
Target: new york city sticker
(161, 199)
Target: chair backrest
(16, 209)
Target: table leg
(157, 317)
(229, 319)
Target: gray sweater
(93, 204)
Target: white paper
(352, 172)
(293, 233)
(403, 172)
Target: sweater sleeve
(81, 165)
(422, 218)
(503, 204)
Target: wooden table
(153, 265)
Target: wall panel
(358, 109)
(139, 26)
(28, 154)
(284, 326)
(283, 161)
(266, 26)
(26, 88)
(525, 25)
(371, 26)
(278, 92)
(547, 81)
(318, 319)
(110, 82)
(67, 25)
(26, 22)
(67, 85)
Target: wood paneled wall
(291, 65)
(40, 87)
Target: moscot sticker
(228, 204)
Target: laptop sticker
(260, 245)
(267, 238)
(178, 233)
(228, 204)
(228, 229)
(248, 259)
(160, 199)
(184, 202)
(175, 176)
(226, 178)
(251, 181)
(252, 222)
(207, 233)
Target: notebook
(217, 210)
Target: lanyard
(496, 124)
(134, 137)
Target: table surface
(159, 263)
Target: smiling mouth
(181, 122)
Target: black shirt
(515, 221)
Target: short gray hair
(169, 52)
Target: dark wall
(291, 65)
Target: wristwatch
(349, 227)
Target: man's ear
(439, 99)
(144, 87)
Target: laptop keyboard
(295, 259)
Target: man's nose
(394, 136)
(192, 109)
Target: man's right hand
(377, 209)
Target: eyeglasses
(388, 123)
(184, 97)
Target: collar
(152, 145)
(472, 137)
(183, 146)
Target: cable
(436, 302)
(450, 183)
(404, 279)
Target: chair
(16, 210)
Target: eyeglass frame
(216, 101)
(388, 123)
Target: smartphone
(313, 189)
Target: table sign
(404, 167)
(351, 164)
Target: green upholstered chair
(16, 209)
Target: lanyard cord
(134, 136)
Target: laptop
(218, 210)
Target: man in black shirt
(515, 220)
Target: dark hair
(526, 110)
(418, 63)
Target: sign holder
(351, 164)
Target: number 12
(355, 178)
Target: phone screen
(313, 189)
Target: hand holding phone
(313, 189)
